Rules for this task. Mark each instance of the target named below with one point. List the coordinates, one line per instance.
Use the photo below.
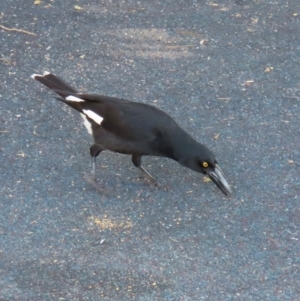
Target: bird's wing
(126, 119)
(129, 120)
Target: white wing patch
(97, 118)
(87, 124)
(74, 99)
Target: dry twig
(17, 30)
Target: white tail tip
(35, 75)
(39, 75)
(74, 98)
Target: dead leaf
(204, 42)
(248, 82)
(206, 179)
(213, 4)
(269, 69)
(216, 137)
(21, 154)
(223, 98)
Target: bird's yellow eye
(205, 164)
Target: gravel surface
(227, 72)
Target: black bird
(135, 129)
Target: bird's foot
(147, 173)
(153, 180)
(92, 180)
(162, 186)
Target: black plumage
(136, 129)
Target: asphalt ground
(228, 73)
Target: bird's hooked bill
(217, 177)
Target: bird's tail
(55, 83)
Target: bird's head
(205, 162)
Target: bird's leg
(136, 160)
(146, 172)
(95, 150)
(93, 166)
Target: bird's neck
(183, 145)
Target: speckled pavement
(229, 73)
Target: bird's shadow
(105, 188)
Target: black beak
(217, 177)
